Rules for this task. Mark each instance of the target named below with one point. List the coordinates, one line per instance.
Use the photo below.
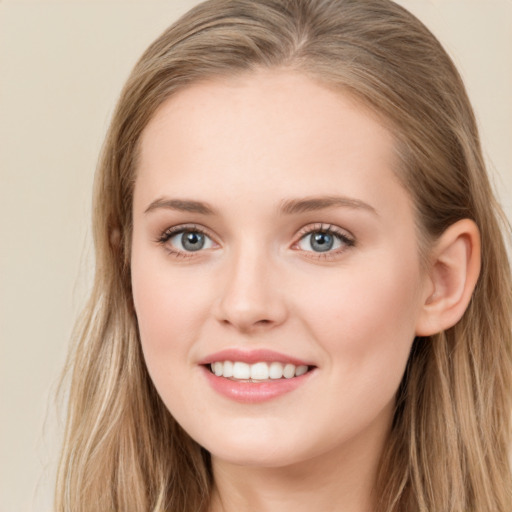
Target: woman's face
(270, 235)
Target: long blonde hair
(448, 446)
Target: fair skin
(267, 216)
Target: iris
(321, 242)
(192, 241)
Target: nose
(252, 297)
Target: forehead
(278, 127)
(301, 106)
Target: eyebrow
(310, 204)
(182, 205)
(287, 207)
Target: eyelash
(327, 229)
(176, 230)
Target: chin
(256, 446)
(256, 457)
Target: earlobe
(453, 274)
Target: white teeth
(289, 371)
(218, 368)
(228, 369)
(241, 371)
(301, 370)
(257, 371)
(275, 370)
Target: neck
(342, 480)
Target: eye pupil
(192, 241)
(322, 242)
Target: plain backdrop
(62, 65)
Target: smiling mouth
(257, 372)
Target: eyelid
(345, 236)
(325, 228)
(174, 230)
(169, 232)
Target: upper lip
(252, 356)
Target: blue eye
(187, 240)
(323, 240)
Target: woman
(302, 296)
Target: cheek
(365, 316)
(155, 306)
(169, 308)
(168, 315)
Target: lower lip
(254, 392)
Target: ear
(452, 276)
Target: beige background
(62, 64)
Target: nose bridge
(251, 295)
